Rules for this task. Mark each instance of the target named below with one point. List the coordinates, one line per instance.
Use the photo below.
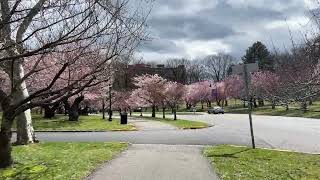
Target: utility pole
(103, 109)
(110, 107)
(247, 82)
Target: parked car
(216, 110)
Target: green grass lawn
(279, 111)
(85, 123)
(232, 162)
(182, 108)
(168, 113)
(181, 124)
(72, 161)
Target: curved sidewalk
(149, 125)
(157, 162)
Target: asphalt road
(289, 133)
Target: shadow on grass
(228, 155)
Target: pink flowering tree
(135, 102)
(40, 28)
(189, 96)
(219, 93)
(202, 92)
(198, 92)
(267, 85)
(174, 93)
(234, 87)
(120, 101)
(150, 90)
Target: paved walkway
(148, 125)
(157, 162)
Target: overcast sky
(195, 28)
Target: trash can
(124, 118)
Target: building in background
(123, 77)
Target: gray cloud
(161, 46)
(191, 27)
(235, 23)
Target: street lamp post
(103, 109)
(110, 108)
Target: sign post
(245, 70)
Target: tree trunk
(60, 110)
(304, 107)
(48, 112)
(273, 105)
(103, 109)
(244, 104)
(163, 113)
(66, 107)
(110, 114)
(74, 109)
(201, 105)
(74, 114)
(255, 103)
(175, 114)
(5, 141)
(260, 102)
(226, 103)
(25, 131)
(153, 111)
(287, 107)
(218, 103)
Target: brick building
(123, 78)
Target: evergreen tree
(258, 52)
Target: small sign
(239, 69)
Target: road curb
(280, 150)
(73, 131)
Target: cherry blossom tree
(198, 92)
(202, 92)
(120, 101)
(189, 96)
(135, 102)
(266, 85)
(174, 93)
(150, 90)
(234, 87)
(220, 93)
(41, 29)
